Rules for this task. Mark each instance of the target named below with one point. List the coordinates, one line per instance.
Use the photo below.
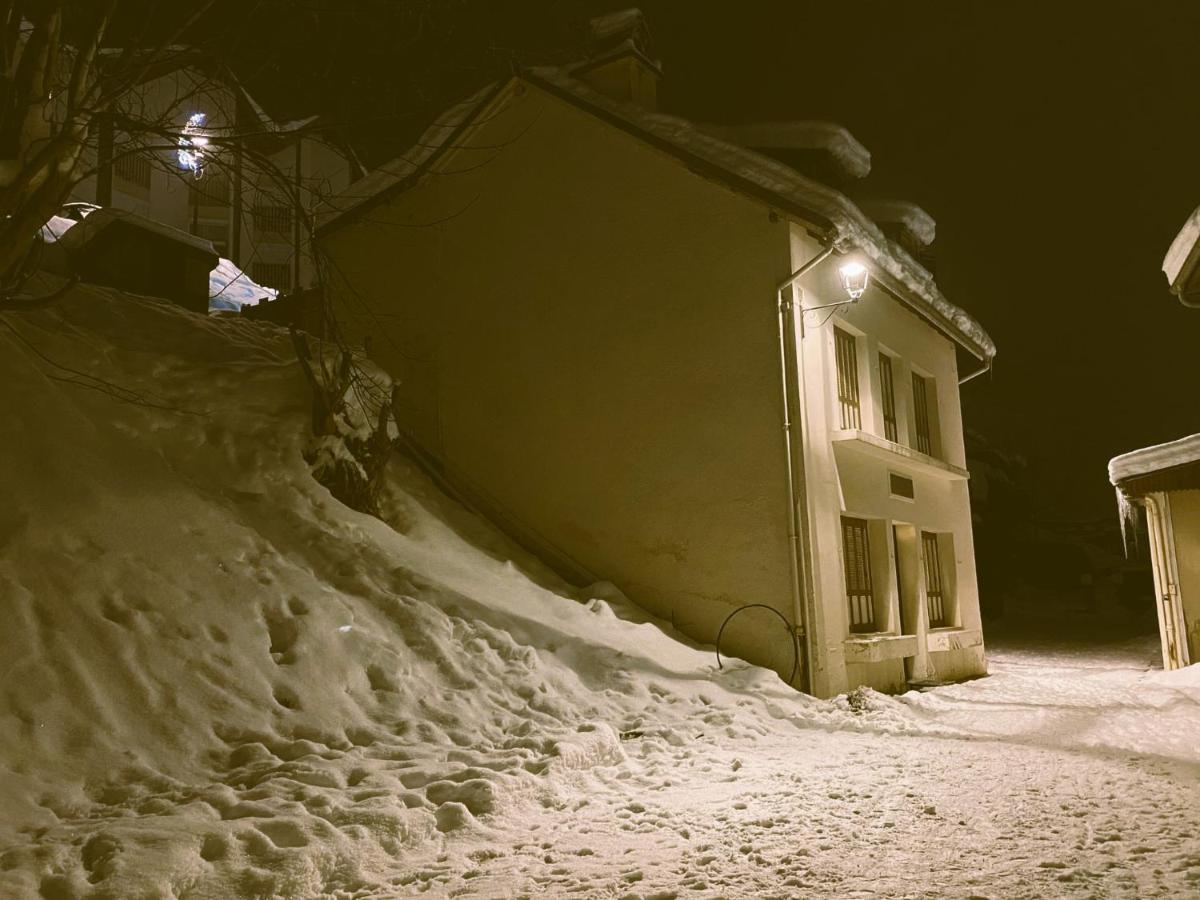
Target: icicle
(1129, 521)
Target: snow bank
(230, 288)
(216, 675)
(1154, 459)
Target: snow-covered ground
(218, 682)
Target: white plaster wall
(587, 337)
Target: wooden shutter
(921, 414)
(887, 389)
(934, 595)
(856, 552)
(846, 353)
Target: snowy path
(1090, 787)
(858, 815)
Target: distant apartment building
(220, 168)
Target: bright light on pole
(854, 278)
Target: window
(901, 486)
(846, 352)
(211, 190)
(934, 593)
(887, 389)
(272, 219)
(856, 552)
(217, 232)
(272, 275)
(921, 415)
(133, 168)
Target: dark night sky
(1057, 149)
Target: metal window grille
(273, 219)
(934, 595)
(846, 353)
(211, 190)
(272, 275)
(888, 390)
(133, 168)
(856, 553)
(921, 414)
(217, 232)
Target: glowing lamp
(854, 278)
(193, 145)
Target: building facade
(581, 302)
(212, 163)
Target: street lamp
(854, 278)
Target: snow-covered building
(1165, 481)
(602, 337)
(213, 163)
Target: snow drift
(218, 679)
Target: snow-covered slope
(209, 664)
(218, 682)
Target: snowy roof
(829, 137)
(847, 227)
(1184, 253)
(229, 288)
(909, 216)
(102, 219)
(1158, 458)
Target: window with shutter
(888, 392)
(856, 552)
(846, 354)
(921, 415)
(934, 593)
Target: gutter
(987, 367)
(1183, 298)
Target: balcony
(893, 454)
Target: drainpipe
(987, 367)
(797, 524)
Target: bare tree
(56, 85)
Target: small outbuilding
(1165, 480)
(123, 250)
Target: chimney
(619, 63)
